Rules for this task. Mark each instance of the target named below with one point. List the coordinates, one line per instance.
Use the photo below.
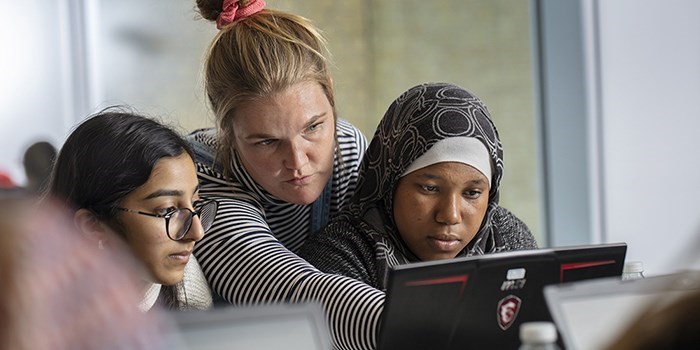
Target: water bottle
(538, 336)
(633, 270)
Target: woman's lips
(444, 243)
(183, 256)
(300, 181)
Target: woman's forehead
(170, 177)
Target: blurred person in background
(6, 180)
(674, 326)
(38, 159)
(672, 323)
(131, 180)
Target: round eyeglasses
(178, 221)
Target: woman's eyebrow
(259, 136)
(165, 193)
(314, 119)
(430, 176)
(477, 181)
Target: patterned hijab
(415, 121)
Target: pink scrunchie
(231, 12)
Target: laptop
(591, 314)
(480, 301)
(266, 327)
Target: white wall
(63, 60)
(619, 83)
(648, 88)
(36, 78)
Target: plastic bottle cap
(538, 332)
(633, 266)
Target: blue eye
(265, 142)
(315, 127)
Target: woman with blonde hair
(279, 163)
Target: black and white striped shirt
(249, 257)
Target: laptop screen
(481, 301)
(295, 327)
(590, 314)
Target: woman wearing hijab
(428, 189)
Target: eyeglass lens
(181, 220)
(207, 214)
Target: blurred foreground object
(60, 293)
(669, 323)
(665, 324)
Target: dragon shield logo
(507, 311)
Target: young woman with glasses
(132, 182)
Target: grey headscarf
(415, 121)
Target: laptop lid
(268, 327)
(590, 314)
(584, 262)
(507, 291)
(481, 301)
(423, 302)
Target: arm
(246, 264)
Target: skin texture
(439, 209)
(172, 184)
(286, 142)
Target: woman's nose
(196, 232)
(296, 157)
(449, 210)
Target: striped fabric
(249, 257)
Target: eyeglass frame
(169, 214)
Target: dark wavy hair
(108, 156)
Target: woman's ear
(91, 227)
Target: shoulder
(351, 148)
(516, 235)
(350, 134)
(203, 144)
(346, 128)
(504, 218)
(206, 137)
(197, 294)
